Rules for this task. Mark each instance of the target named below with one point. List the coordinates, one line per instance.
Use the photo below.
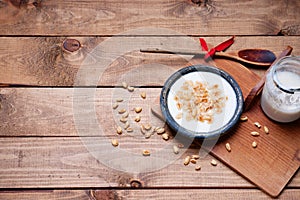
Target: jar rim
(279, 63)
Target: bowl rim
(193, 134)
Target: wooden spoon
(258, 57)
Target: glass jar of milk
(280, 98)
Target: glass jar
(280, 98)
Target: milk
(276, 103)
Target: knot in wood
(71, 45)
(19, 3)
(135, 183)
(199, 2)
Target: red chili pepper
(220, 47)
(203, 44)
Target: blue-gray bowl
(222, 122)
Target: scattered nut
(129, 129)
(213, 162)
(266, 129)
(180, 145)
(244, 118)
(160, 130)
(257, 124)
(146, 152)
(165, 136)
(196, 157)
(198, 167)
(147, 126)
(187, 160)
(194, 161)
(130, 88)
(179, 106)
(179, 116)
(255, 133)
(119, 100)
(115, 105)
(175, 149)
(143, 95)
(138, 109)
(126, 126)
(114, 142)
(254, 144)
(125, 85)
(228, 147)
(137, 118)
(123, 120)
(143, 131)
(121, 111)
(148, 135)
(125, 114)
(119, 130)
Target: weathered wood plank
(70, 112)
(42, 61)
(64, 162)
(159, 194)
(210, 17)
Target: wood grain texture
(211, 17)
(42, 61)
(59, 111)
(64, 162)
(159, 194)
(40, 163)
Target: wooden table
(46, 154)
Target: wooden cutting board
(276, 158)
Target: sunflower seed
(254, 144)
(160, 130)
(175, 149)
(243, 118)
(126, 126)
(123, 120)
(146, 152)
(147, 126)
(137, 118)
(143, 95)
(266, 129)
(196, 157)
(119, 130)
(129, 129)
(257, 124)
(125, 114)
(138, 109)
(194, 161)
(121, 111)
(130, 88)
(125, 85)
(180, 145)
(213, 162)
(179, 116)
(228, 147)
(114, 142)
(198, 167)
(143, 131)
(165, 136)
(119, 100)
(148, 135)
(187, 160)
(255, 133)
(115, 105)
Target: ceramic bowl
(179, 117)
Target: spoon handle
(202, 53)
(256, 90)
